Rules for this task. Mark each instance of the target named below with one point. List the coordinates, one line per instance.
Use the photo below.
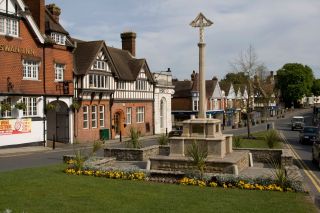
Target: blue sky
(280, 31)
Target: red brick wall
(11, 64)
(37, 8)
(142, 127)
(181, 104)
(91, 134)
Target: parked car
(176, 131)
(309, 135)
(297, 122)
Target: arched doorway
(58, 122)
(118, 123)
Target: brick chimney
(55, 11)
(129, 42)
(37, 9)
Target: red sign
(15, 126)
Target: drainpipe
(110, 110)
(153, 113)
(45, 94)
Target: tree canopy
(316, 87)
(294, 81)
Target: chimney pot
(55, 11)
(129, 42)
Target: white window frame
(140, 114)
(30, 70)
(85, 113)
(141, 85)
(9, 26)
(195, 105)
(59, 38)
(59, 72)
(31, 106)
(101, 115)
(99, 65)
(94, 116)
(129, 115)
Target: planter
(130, 154)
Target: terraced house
(116, 90)
(36, 66)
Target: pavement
(4, 152)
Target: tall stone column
(202, 82)
(201, 22)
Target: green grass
(48, 189)
(258, 142)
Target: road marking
(314, 179)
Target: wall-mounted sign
(15, 49)
(15, 126)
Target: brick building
(36, 86)
(116, 90)
(185, 100)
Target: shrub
(79, 160)
(50, 106)
(75, 105)
(97, 145)
(198, 156)
(272, 138)
(236, 142)
(134, 141)
(163, 139)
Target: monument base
(213, 165)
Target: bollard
(120, 136)
(54, 142)
(166, 131)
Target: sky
(280, 32)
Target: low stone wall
(164, 150)
(282, 156)
(130, 154)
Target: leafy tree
(316, 87)
(235, 78)
(294, 81)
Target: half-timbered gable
(94, 85)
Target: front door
(117, 123)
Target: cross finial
(201, 21)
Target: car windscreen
(297, 119)
(310, 130)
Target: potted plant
(75, 105)
(50, 106)
(20, 106)
(5, 107)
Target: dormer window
(9, 26)
(59, 38)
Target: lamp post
(201, 22)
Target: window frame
(140, 114)
(129, 115)
(59, 72)
(59, 38)
(101, 115)
(85, 113)
(31, 107)
(94, 116)
(10, 26)
(30, 69)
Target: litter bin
(104, 134)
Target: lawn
(258, 142)
(48, 189)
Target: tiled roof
(182, 89)
(85, 55)
(52, 25)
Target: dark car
(309, 135)
(175, 132)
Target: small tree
(163, 139)
(198, 156)
(272, 138)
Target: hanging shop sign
(15, 49)
(15, 126)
